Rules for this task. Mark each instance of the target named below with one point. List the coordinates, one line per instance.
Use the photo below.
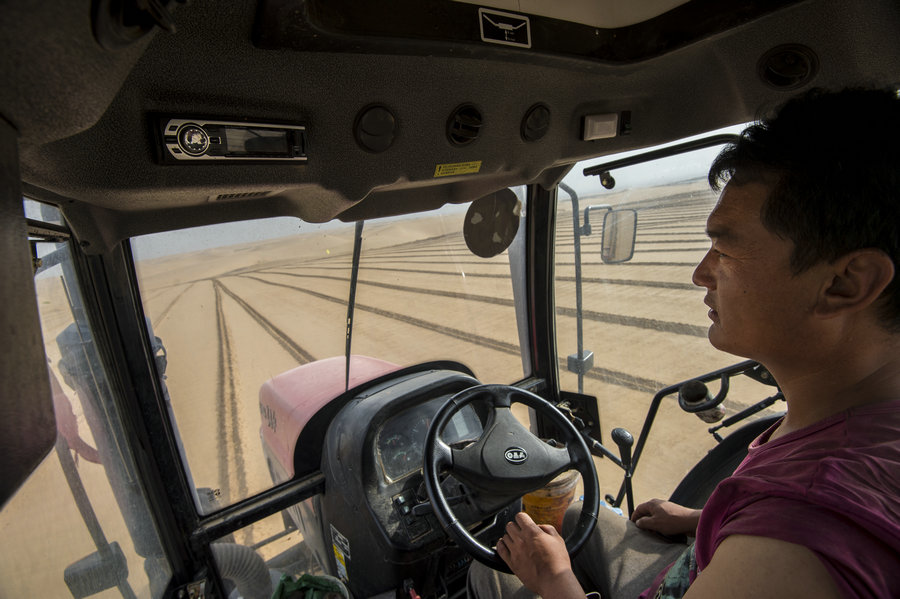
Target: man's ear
(856, 281)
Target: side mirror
(619, 233)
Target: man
(800, 277)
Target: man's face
(759, 309)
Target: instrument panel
(401, 440)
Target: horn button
(510, 451)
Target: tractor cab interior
(327, 287)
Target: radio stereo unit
(204, 140)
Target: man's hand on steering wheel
(538, 556)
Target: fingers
(523, 526)
(504, 552)
(509, 542)
(525, 522)
(511, 536)
(648, 508)
(517, 530)
(646, 518)
(502, 548)
(549, 529)
(640, 511)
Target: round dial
(193, 140)
(399, 455)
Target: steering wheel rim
(439, 456)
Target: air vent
(788, 67)
(240, 196)
(535, 123)
(464, 125)
(119, 23)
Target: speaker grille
(240, 196)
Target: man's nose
(702, 276)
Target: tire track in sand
(284, 340)
(600, 374)
(228, 419)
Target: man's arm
(749, 567)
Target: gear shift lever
(623, 440)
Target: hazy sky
(677, 168)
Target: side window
(627, 329)
(82, 514)
(232, 306)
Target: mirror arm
(689, 146)
(586, 229)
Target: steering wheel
(507, 460)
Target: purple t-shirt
(833, 487)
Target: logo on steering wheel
(516, 455)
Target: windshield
(237, 304)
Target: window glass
(643, 319)
(235, 305)
(80, 524)
(43, 213)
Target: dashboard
(376, 523)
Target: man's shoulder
(811, 483)
(861, 445)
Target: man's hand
(666, 517)
(538, 556)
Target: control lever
(624, 441)
(694, 394)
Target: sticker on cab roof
(457, 168)
(504, 28)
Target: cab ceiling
(88, 115)
(602, 14)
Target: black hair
(832, 164)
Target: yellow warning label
(341, 564)
(457, 168)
